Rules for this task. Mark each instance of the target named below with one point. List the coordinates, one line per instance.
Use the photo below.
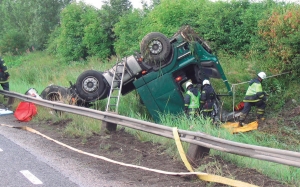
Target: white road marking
(1, 150)
(33, 179)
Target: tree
(281, 31)
(120, 6)
(80, 34)
(110, 13)
(33, 19)
(153, 3)
(129, 33)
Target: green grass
(38, 70)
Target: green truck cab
(162, 90)
(158, 73)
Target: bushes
(28, 23)
(69, 41)
(95, 39)
(129, 33)
(79, 35)
(228, 26)
(282, 33)
(13, 42)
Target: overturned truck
(158, 73)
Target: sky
(98, 3)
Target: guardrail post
(196, 152)
(108, 126)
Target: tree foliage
(233, 27)
(95, 39)
(168, 16)
(227, 26)
(34, 20)
(13, 42)
(86, 31)
(281, 30)
(129, 33)
(80, 34)
(111, 12)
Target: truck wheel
(156, 48)
(54, 93)
(91, 86)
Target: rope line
(201, 175)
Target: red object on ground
(25, 111)
(239, 106)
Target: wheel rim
(155, 47)
(90, 84)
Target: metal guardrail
(262, 153)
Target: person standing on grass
(255, 96)
(208, 98)
(4, 76)
(191, 100)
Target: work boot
(241, 124)
(242, 118)
(261, 123)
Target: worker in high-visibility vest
(255, 96)
(191, 100)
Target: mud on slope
(285, 126)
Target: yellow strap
(181, 151)
(205, 176)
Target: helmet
(262, 75)
(206, 82)
(188, 84)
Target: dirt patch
(123, 147)
(285, 126)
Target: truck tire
(54, 93)
(156, 48)
(91, 86)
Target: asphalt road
(27, 159)
(21, 168)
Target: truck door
(161, 95)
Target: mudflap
(234, 127)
